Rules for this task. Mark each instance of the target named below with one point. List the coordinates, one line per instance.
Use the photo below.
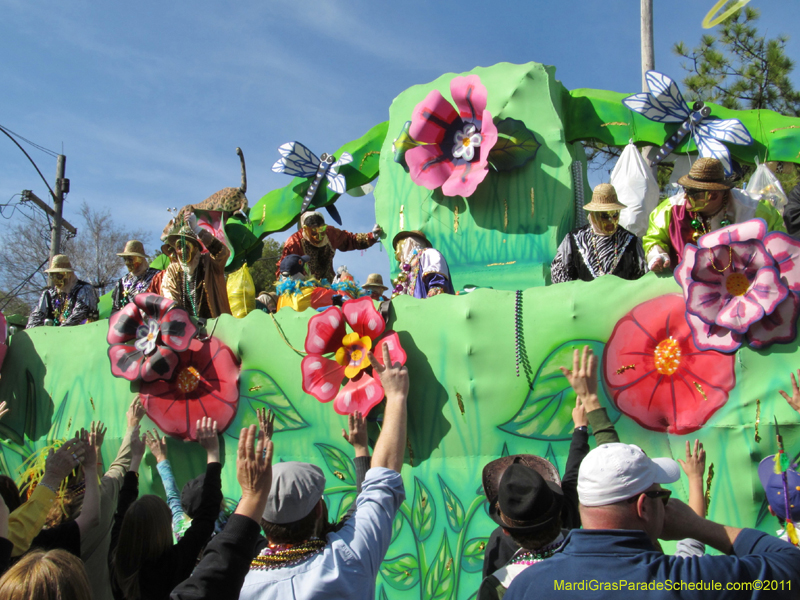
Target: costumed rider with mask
(423, 270)
(196, 280)
(320, 242)
(600, 248)
(69, 302)
(138, 277)
(707, 203)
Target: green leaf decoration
(258, 390)
(397, 527)
(455, 510)
(546, 413)
(763, 513)
(472, 556)
(382, 594)
(402, 144)
(338, 463)
(551, 456)
(402, 572)
(348, 500)
(505, 452)
(441, 578)
(516, 145)
(423, 511)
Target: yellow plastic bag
(241, 292)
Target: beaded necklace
(530, 557)
(699, 225)
(62, 308)
(276, 556)
(597, 255)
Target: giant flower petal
(780, 326)
(359, 394)
(325, 331)
(123, 324)
(710, 336)
(177, 329)
(754, 229)
(672, 385)
(322, 377)
(785, 250)
(363, 318)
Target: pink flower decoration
(456, 141)
(740, 283)
(327, 333)
(667, 383)
(146, 321)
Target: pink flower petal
(767, 289)
(739, 313)
(785, 251)
(778, 327)
(711, 336)
(396, 352)
(325, 331)
(153, 305)
(430, 119)
(683, 271)
(464, 179)
(363, 318)
(748, 257)
(709, 262)
(159, 365)
(122, 325)
(360, 394)
(126, 361)
(177, 329)
(469, 94)
(489, 135)
(428, 166)
(754, 229)
(322, 377)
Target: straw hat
(133, 248)
(374, 280)
(604, 198)
(60, 264)
(415, 233)
(706, 174)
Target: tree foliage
(263, 270)
(740, 69)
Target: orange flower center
(667, 356)
(466, 142)
(737, 284)
(353, 354)
(188, 380)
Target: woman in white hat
(138, 277)
(602, 247)
(69, 302)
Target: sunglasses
(694, 194)
(607, 215)
(317, 228)
(663, 494)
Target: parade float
(489, 165)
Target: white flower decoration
(466, 141)
(146, 336)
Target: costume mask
(696, 200)
(133, 263)
(185, 250)
(406, 249)
(315, 234)
(604, 223)
(60, 280)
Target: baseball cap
(296, 489)
(293, 264)
(772, 483)
(614, 472)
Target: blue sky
(150, 100)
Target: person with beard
(70, 301)
(602, 247)
(138, 277)
(320, 242)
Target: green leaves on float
(423, 511)
(441, 577)
(402, 572)
(259, 390)
(472, 557)
(455, 510)
(338, 463)
(516, 145)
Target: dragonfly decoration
(665, 104)
(298, 161)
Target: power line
(27, 141)
(13, 293)
(3, 129)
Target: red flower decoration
(327, 333)
(146, 321)
(657, 375)
(205, 385)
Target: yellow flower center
(667, 356)
(353, 354)
(466, 142)
(188, 380)
(737, 284)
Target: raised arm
(794, 399)
(391, 443)
(90, 511)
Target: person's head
(294, 506)
(10, 493)
(314, 227)
(408, 243)
(187, 246)
(134, 257)
(374, 286)
(146, 533)
(772, 483)
(705, 187)
(46, 575)
(61, 273)
(294, 266)
(604, 210)
(619, 487)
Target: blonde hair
(53, 575)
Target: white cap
(614, 472)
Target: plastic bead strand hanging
(521, 355)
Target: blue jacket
(602, 563)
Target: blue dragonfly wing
(666, 94)
(297, 160)
(344, 159)
(708, 147)
(336, 181)
(648, 106)
(732, 131)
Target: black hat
(191, 494)
(528, 499)
(293, 264)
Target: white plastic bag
(763, 185)
(636, 188)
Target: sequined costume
(585, 255)
(130, 285)
(425, 275)
(77, 307)
(321, 264)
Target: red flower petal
(153, 305)
(396, 352)
(430, 118)
(360, 394)
(325, 331)
(322, 377)
(363, 318)
(673, 386)
(126, 361)
(428, 166)
(159, 365)
(177, 329)
(122, 325)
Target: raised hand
(3, 409)
(61, 463)
(357, 434)
(583, 377)
(254, 472)
(135, 412)
(156, 445)
(266, 421)
(793, 400)
(579, 415)
(394, 377)
(695, 463)
(207, 437)
(137, 448)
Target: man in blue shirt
(624, 512)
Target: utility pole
(648, 54)
(62, 187)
